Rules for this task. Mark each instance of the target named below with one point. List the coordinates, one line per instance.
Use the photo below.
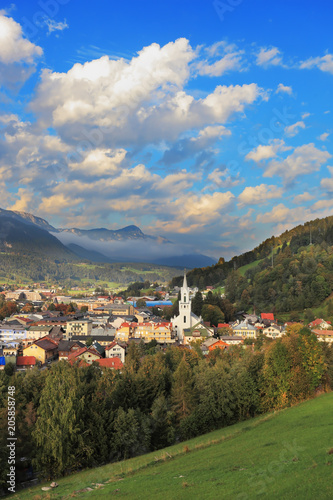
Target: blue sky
(208, 123)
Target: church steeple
(185, 281)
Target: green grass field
(282, 455)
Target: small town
(100, 328)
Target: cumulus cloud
(323, 136)
(199, 147)
(324, 63)
(14, 48)
(303, 160)
(137, 101)
(284, 89)
(227, 58)
(292, 130)
(301, 198)
(327, 182)
(222, 178)
(17, 54)
(257, 195)
(261, 152)
(269, 57)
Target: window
(184, 298)
(184, 319)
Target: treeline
(319, 231)
(296, 281)
(71, 417)
(36, 268)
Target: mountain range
(26, 233)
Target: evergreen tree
(58, 434)
(197, 303)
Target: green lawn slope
(281, 455)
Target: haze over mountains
(24, 231)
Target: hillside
(291, 272)
(285, 454)
(24, 233)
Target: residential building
(78, 327)
(115, 349)
(42, 349)
(245, 330)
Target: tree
(213, 314)
(89, 341)
(182, 394)
(197, 303)
(141, 303)
(58, 434)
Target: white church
(186, 318)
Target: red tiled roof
(329, 333)
(78, 353)
(223, 325)
(110, 363)
(318, 321)
(25, 361)
(269, 316)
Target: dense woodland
(71, 417)
(294, 272)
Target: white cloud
(293, 130)
(261, 152)
(14, 48)
(281, 213)
(232, 59)
(323, 136)
(327, 182)
(301, 198)
(137, 101)
(100, 162)
(324, 63)
(255, 195)
(284, 89)
(55, 26)
(269, 56)
(223, 179)
(305, 159)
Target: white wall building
(186, 318)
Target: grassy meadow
(286, 454)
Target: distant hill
(17, 236)
(24, 233)
(103, 234)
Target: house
(13, 330)
(42, 349)
(113, 363)
(324, 335)
(115, 349)
(36, 332)
(320, 324)
(25, 362)
(220, 344)
(103, 340)
(245, 330)
(232, 339)
(197, 332)
(273, 331)
(65, 347)
(268, 316)
(86, 354)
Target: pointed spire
(185, 281)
